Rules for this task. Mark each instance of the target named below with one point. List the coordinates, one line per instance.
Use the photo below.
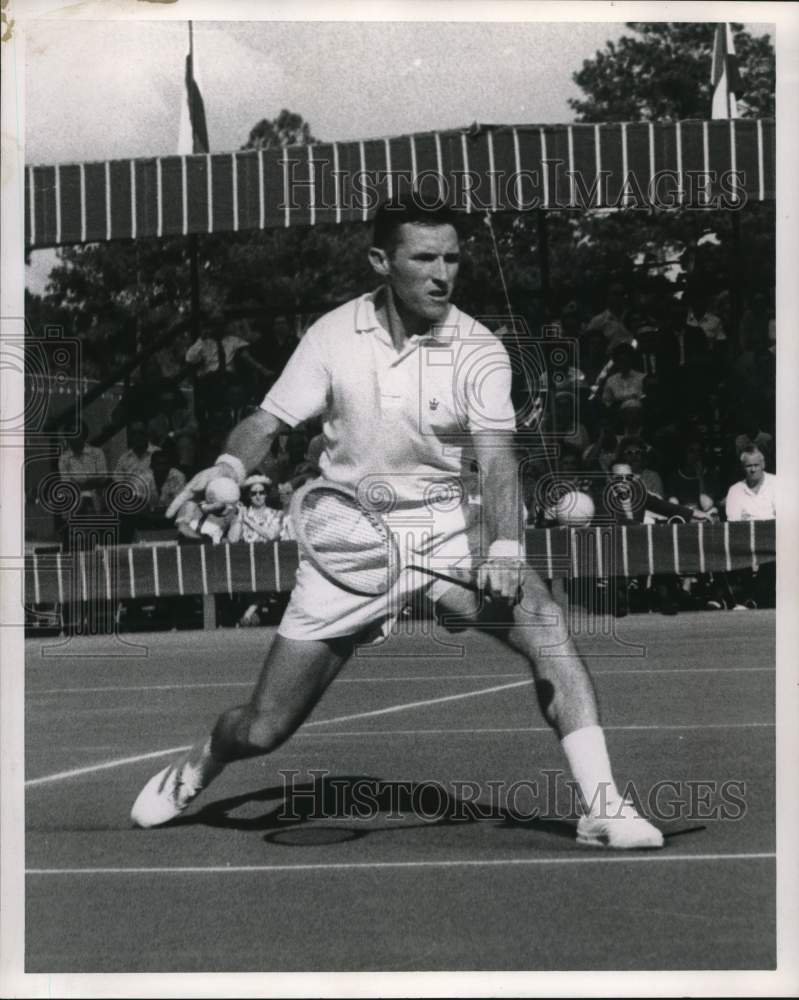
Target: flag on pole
(193, 133)
(724, 76)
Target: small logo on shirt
(433, 403)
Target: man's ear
(379, 260)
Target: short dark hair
(393, 214)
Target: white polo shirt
(396, 420)
(744, 504)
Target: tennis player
(414, 395)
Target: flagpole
(194, 249)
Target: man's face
(753, 469)
(422, 269)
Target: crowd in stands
(667, 392)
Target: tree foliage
(288, 129)
(662, 73)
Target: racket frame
(393, 553)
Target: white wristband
(505, 548)
(235, 464)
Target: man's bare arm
(250, 440)
(247, 446)
(500, 484)
(501, 572)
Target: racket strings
(350, 542)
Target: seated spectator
(185, 447)
(692, 483)
(84, 465)
(139, 452)
(133, 469)
(752, 499)
(625, 386)
(167, 480)
(627, 499)
(633, 452)
(256, 521)
(610, 322)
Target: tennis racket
(351, 544)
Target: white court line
(400, 680)
(510, 730)
(106, 765)
(599, 858)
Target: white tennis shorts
(321, 609)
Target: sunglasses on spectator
(633, 451)
(257, 493)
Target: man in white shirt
(84, 465)
(754, 497)
(411, 391)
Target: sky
(100, 90)
(349, 80)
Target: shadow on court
(299, 815)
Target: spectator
(692, 484)
(139, 454)
(629, 499)
(133, 469)
(700, 317)
(610, 322)
(256, 521)
(752, 499)
(625, 386)
(212, 356)
(82, 463)
(633, 452)
(185, 445)
(167, 480)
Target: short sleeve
(302, 390)
(732, 505)
(487, 387)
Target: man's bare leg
(294, 677)
(539, 631)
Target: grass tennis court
(274, 873)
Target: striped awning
(704, 164)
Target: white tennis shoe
(620, 827)
(167, 794)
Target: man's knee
(268, 728)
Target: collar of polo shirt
(366, 320)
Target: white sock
(588, 759)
